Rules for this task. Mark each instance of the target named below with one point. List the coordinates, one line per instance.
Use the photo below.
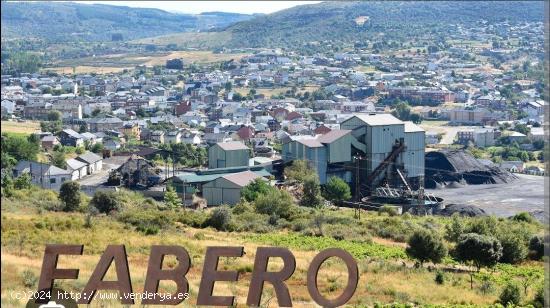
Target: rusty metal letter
(353, 277)
(50, 272)
(210, 275)
(123, 284)
(155, 274)
(261, 275)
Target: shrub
(69, 194)
(278, 202)
(523, 216)
(148, 221)
(312, 192)
(439, 277)
(425, 246)
(536, 247)
(29, 278)
(23, 182)
(386, 209)
(455, 229)
(171, 198)
(254, 189)
(513, 248)
(336, 190)
(105, 202)
(219, 218)
(510, 295)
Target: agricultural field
(116, 63)
(31, 217)
(20, 128)
(199, 40)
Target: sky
(195, 7)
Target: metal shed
(227, 189)
(228, 154)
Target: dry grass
(86, 69)
(24, 128)
(193, 57)
(189, 39)
(380, 281)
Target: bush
(386, 209)
(439, 277)
(278, 202)
(523, 216)
(455, 229)
(219, 218)
(148, 221)
(536, 247)
(511, 295)
(311, 192)
(69, 194)
(425, 246)
(336, 190)
(23, 182)
(29, 278)
(105, 202)
(255, 188)
(513, 248)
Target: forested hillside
(358, 21)
(64, 22)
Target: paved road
(523, 195)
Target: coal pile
(462, 210)
(458, 167)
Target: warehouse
(227, 189)
(228, 154)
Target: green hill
(67, 22)
(358, 21)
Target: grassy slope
(21, 128)
(386, 274)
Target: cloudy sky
(194, 7)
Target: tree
(337, 189)
(275, 202)
(311, 192)
(105, 202)
(58, 159)
(228, 86)
(480, 250)
(254, 189)
(171, 198)
(219, 218)
(69, 194)
(23, 181)
(455, 229)
(514, 248)
(54, 115)
(425, 245)
(511, 295)
(299, 171)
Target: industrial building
(369, 150)
(228, 154)
(227, 189)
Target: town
(409, 148)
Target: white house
(77, 168)
(43, 175)
(94, 163)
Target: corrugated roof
(75, 164)
(311, 143)
(242, 178)
(333, 135)
(195, 178)
(410, 127)
(232, 145)
(89, 157)
(378, 119)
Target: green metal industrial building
(228, 154)
(369, 150)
